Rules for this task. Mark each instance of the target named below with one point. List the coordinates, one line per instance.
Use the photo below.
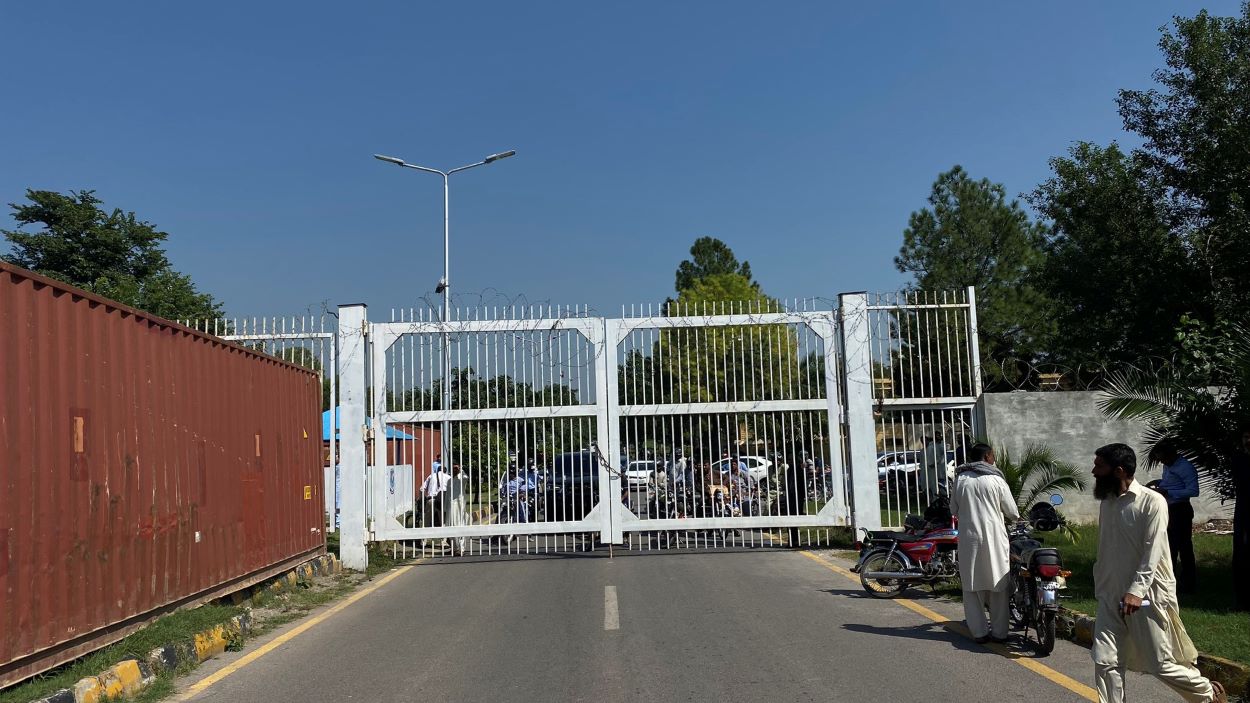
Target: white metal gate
(732, 425)
(566, 430)
(739, 403)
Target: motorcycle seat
(1042, 555)
(1032, 551)
(897, 536)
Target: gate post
(861, 429)
(607, 424)
(353, 354)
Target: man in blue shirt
(1178, 485)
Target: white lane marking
(611, 614)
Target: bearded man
(1138, 625)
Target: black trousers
(1241, 553)
(1181, 540)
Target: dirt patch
(1216, 527)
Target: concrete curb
(131, 676)
(1079, 628)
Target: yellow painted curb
(211, 643)
(110, 686)
(130, 676)
(199, 686)
(88, 690)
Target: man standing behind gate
(983, 503)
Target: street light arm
(488, 160)
(427, 170)
(466, 168)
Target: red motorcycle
(925, 553)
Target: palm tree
(1202, 410)
(1038, 476)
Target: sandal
(1218, 694)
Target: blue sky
(801, 134)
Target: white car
(758, 467)
(909, 462)
(638, 473)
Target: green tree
(971, 235)
(1195, 127)
(727, 363)
(1200, 401)
(737, 363)
(1119, 276)
(113, 254)
(710, 257)
(1039, 475)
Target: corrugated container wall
(144, 466)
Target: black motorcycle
(1037, 575)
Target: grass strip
(179, 626)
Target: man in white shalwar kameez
(983, 503)
(454, 512)
(1138, 624)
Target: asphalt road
(746, 626)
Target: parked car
(573, 485)
(639, 473)
(899, 468)
(758, 468)
(571, 488)
(907, 462)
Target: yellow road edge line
(199, 686)
(1036, 667)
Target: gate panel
(926, 380)
(513, 462)
(728, 426)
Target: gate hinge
(368, 433)
(364, 328)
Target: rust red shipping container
(144, 466)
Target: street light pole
(445, 284)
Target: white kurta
(454, 513)
(983, 504)
(1133, 557)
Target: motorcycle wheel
(882, 588)
(1019, 611)
(1046, 632)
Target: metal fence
(715, 426)
(729, 424)
(926, 380)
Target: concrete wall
(1070, 424)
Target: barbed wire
(559, 354)
(1014, 374)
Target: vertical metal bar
(974, 342)
(855, 341)
(608, 419)
(351, 339)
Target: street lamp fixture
(444, 286)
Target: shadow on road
(928, 631)
(845, 592)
